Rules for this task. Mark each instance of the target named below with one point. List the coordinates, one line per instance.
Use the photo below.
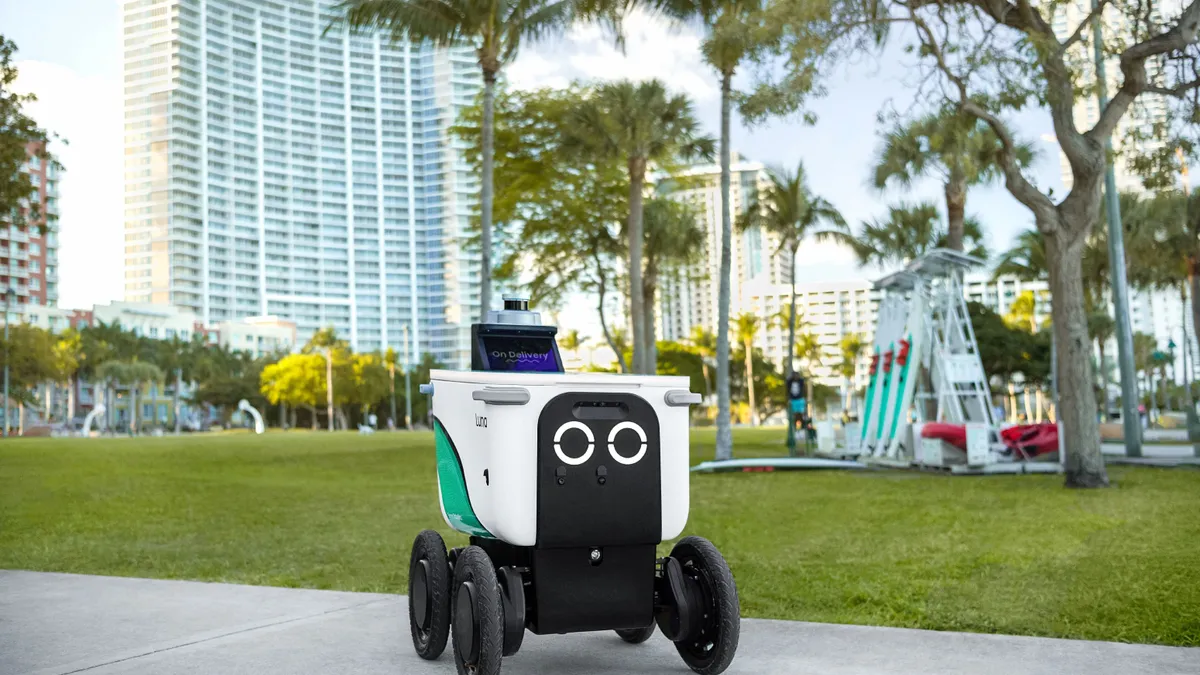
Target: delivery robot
(566, 484)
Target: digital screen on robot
(520, 354)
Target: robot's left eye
(591, 443)
(612, 437)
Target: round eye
(591, 445)
(612, 448)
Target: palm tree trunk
(71, 384)
(637, 317)
(1194, 285)
(600, 291)
(790, 354)
(724, 449)
(21, 418)
(485, 193)
(49, 400)
(750, 383)
(175, 399)
(1084, 465)
(133, 408)
(1103, 382)
(649, 291)
(956, 208)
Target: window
(35, 249)
(154, 331)
(35, 266)
(170, 333)
(35, 284)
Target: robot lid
(573, 380)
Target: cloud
(654, 48)
(86, 113)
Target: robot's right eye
(591, 442)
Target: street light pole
(407, 383)
(1116, 262)
(8, 296)
(329, 385)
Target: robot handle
(502, 395)
(679, 398)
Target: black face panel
(598, 500)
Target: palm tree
(808, 350)
(790, 211)
(705, 344)
(1165, 253)
(957, 148)
(572, 341)
(747, 329)
(671, 235)
(639, 123)
(1101, 326)
(496, 29)
(852, 347)
(910, 231)
(733, 36)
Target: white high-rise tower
(276, 168)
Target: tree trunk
(724, 449)
(175, 408)
(133, 409)
(600, 291)
(21, 418)
(750, 383)
(790, 352)
(392, 386)
(1084, 464)
(71, 384)
(485, 194)
(312, 411)
(956, 209)
(649, 291)
(1103, 382)
(49, 400)
(637, 316)
(1194, 285)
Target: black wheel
(711, 650)
(429, 595)
(478, 625)
(636, 636)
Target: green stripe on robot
(456, 502)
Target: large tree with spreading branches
(988, 58)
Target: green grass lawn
(1008, 554)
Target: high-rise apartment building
(1148, 110)
(277, 168)
(29, 256)
(829, 311)
(689, 297)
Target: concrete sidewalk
(65, 623)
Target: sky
(73, 64)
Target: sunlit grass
(1010, 554)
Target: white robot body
(492, 424)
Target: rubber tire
(713, 653)
(636, 636)
(475, 566)
(431, 642)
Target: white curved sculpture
(245, 406)
(91, 417)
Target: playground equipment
(926, 368)
(91, 417)
(244, 406)
(566, 484)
